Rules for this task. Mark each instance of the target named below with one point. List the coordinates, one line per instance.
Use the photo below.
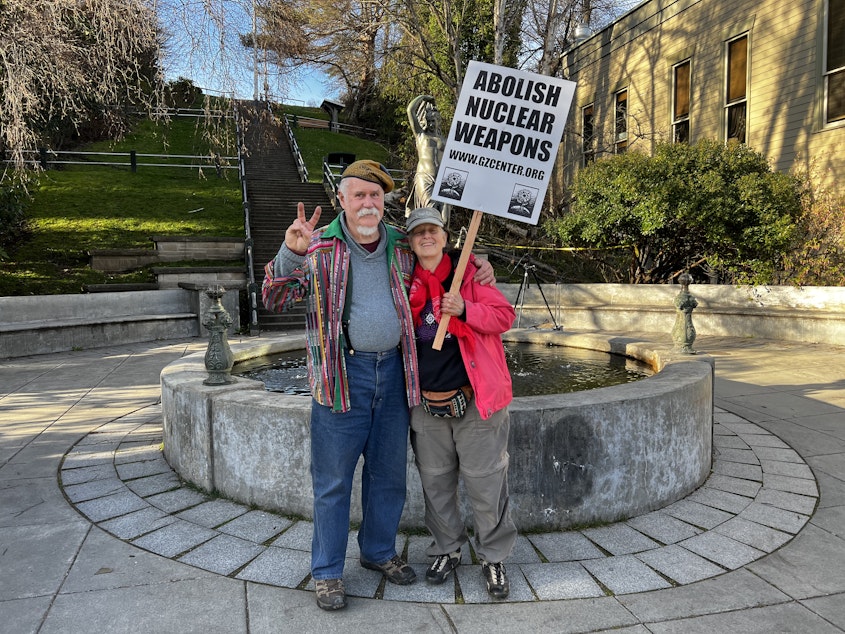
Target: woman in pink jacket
(463, 423)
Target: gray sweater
(373, 323)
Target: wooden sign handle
(474, 223)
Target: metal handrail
(249, 256)
(331, 178)
(297, 155)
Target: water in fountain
(535, 369)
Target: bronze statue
(425, 123)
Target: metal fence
(47, 158)
(295, 121)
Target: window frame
(827, 72)
(734, 104)
(620, 138)
(681, 121)
(588, 140)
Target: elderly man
(362, 364)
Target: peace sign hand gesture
(298, 235)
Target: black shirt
(440, 370)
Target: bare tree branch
(64, 63)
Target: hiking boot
(497, 581)
(330, 594)
(395, 569)
(442, 567)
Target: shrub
(182, 93)
(818, 257)
(709, 207)
(13, 201)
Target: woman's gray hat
(423, 216)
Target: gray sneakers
(497, 581)
(395, 569)
(442, 567)
(330, 594)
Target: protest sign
(503, 141)
(500, 151)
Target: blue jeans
(376, 426)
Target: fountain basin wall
(580, 458)
(791, 313)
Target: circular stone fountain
(576, 459)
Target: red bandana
(429, 285)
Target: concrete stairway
(273, 189)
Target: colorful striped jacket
(322, 281)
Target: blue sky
(205, 48)
(312, 88)
(297, 88)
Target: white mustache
(367, 211)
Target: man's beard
(364, 230)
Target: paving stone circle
(759, 495)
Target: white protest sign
(503, 141)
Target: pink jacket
(489, 314)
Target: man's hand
(485, 274)
(298, 235)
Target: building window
(588, 146)
(621, 136)
(680, 102)
(835, 62)
(736, 80)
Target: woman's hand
(452, 304)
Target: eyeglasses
(429, 229)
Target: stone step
(169, 277)
(109, 288)
(167, 249)
(274, 189)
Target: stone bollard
(683, 332)
(218, 357)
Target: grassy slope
(80, 208)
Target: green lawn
(315, 144)
(76, 209)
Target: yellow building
(769, 73)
